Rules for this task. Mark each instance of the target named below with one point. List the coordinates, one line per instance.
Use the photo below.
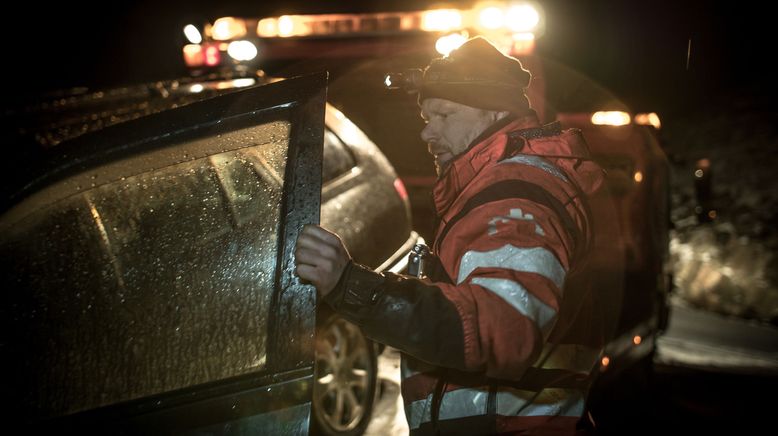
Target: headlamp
(413, 79)
(408, 80)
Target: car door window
(171, 270)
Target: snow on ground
(725, 207)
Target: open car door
(148, 274)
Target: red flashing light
(212, 55)
(399, 186)
(193, 55)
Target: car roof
(48, 119)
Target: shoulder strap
(551, 129)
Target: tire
(345, 379)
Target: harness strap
(534, 379)
(437, 397)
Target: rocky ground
(725, 206)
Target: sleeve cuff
(358, 289)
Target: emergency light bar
(506, 17)
(511, 26)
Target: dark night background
(638, 49)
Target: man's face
(451, 127)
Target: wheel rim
(342, 389)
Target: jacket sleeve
(402, 312)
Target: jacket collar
(489, 147)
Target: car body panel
(342, 198)
(361, 203)
(631, 233)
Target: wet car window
(151, 282)
(337, 158)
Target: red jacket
(488, 350)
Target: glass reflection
(147, 283)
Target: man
(489, 344)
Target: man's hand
(321, 257)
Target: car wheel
(344, 380)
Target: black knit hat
(477, 74)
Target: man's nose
(427, 134)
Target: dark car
(148, 269)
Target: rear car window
(122, 278)
(337, 158)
